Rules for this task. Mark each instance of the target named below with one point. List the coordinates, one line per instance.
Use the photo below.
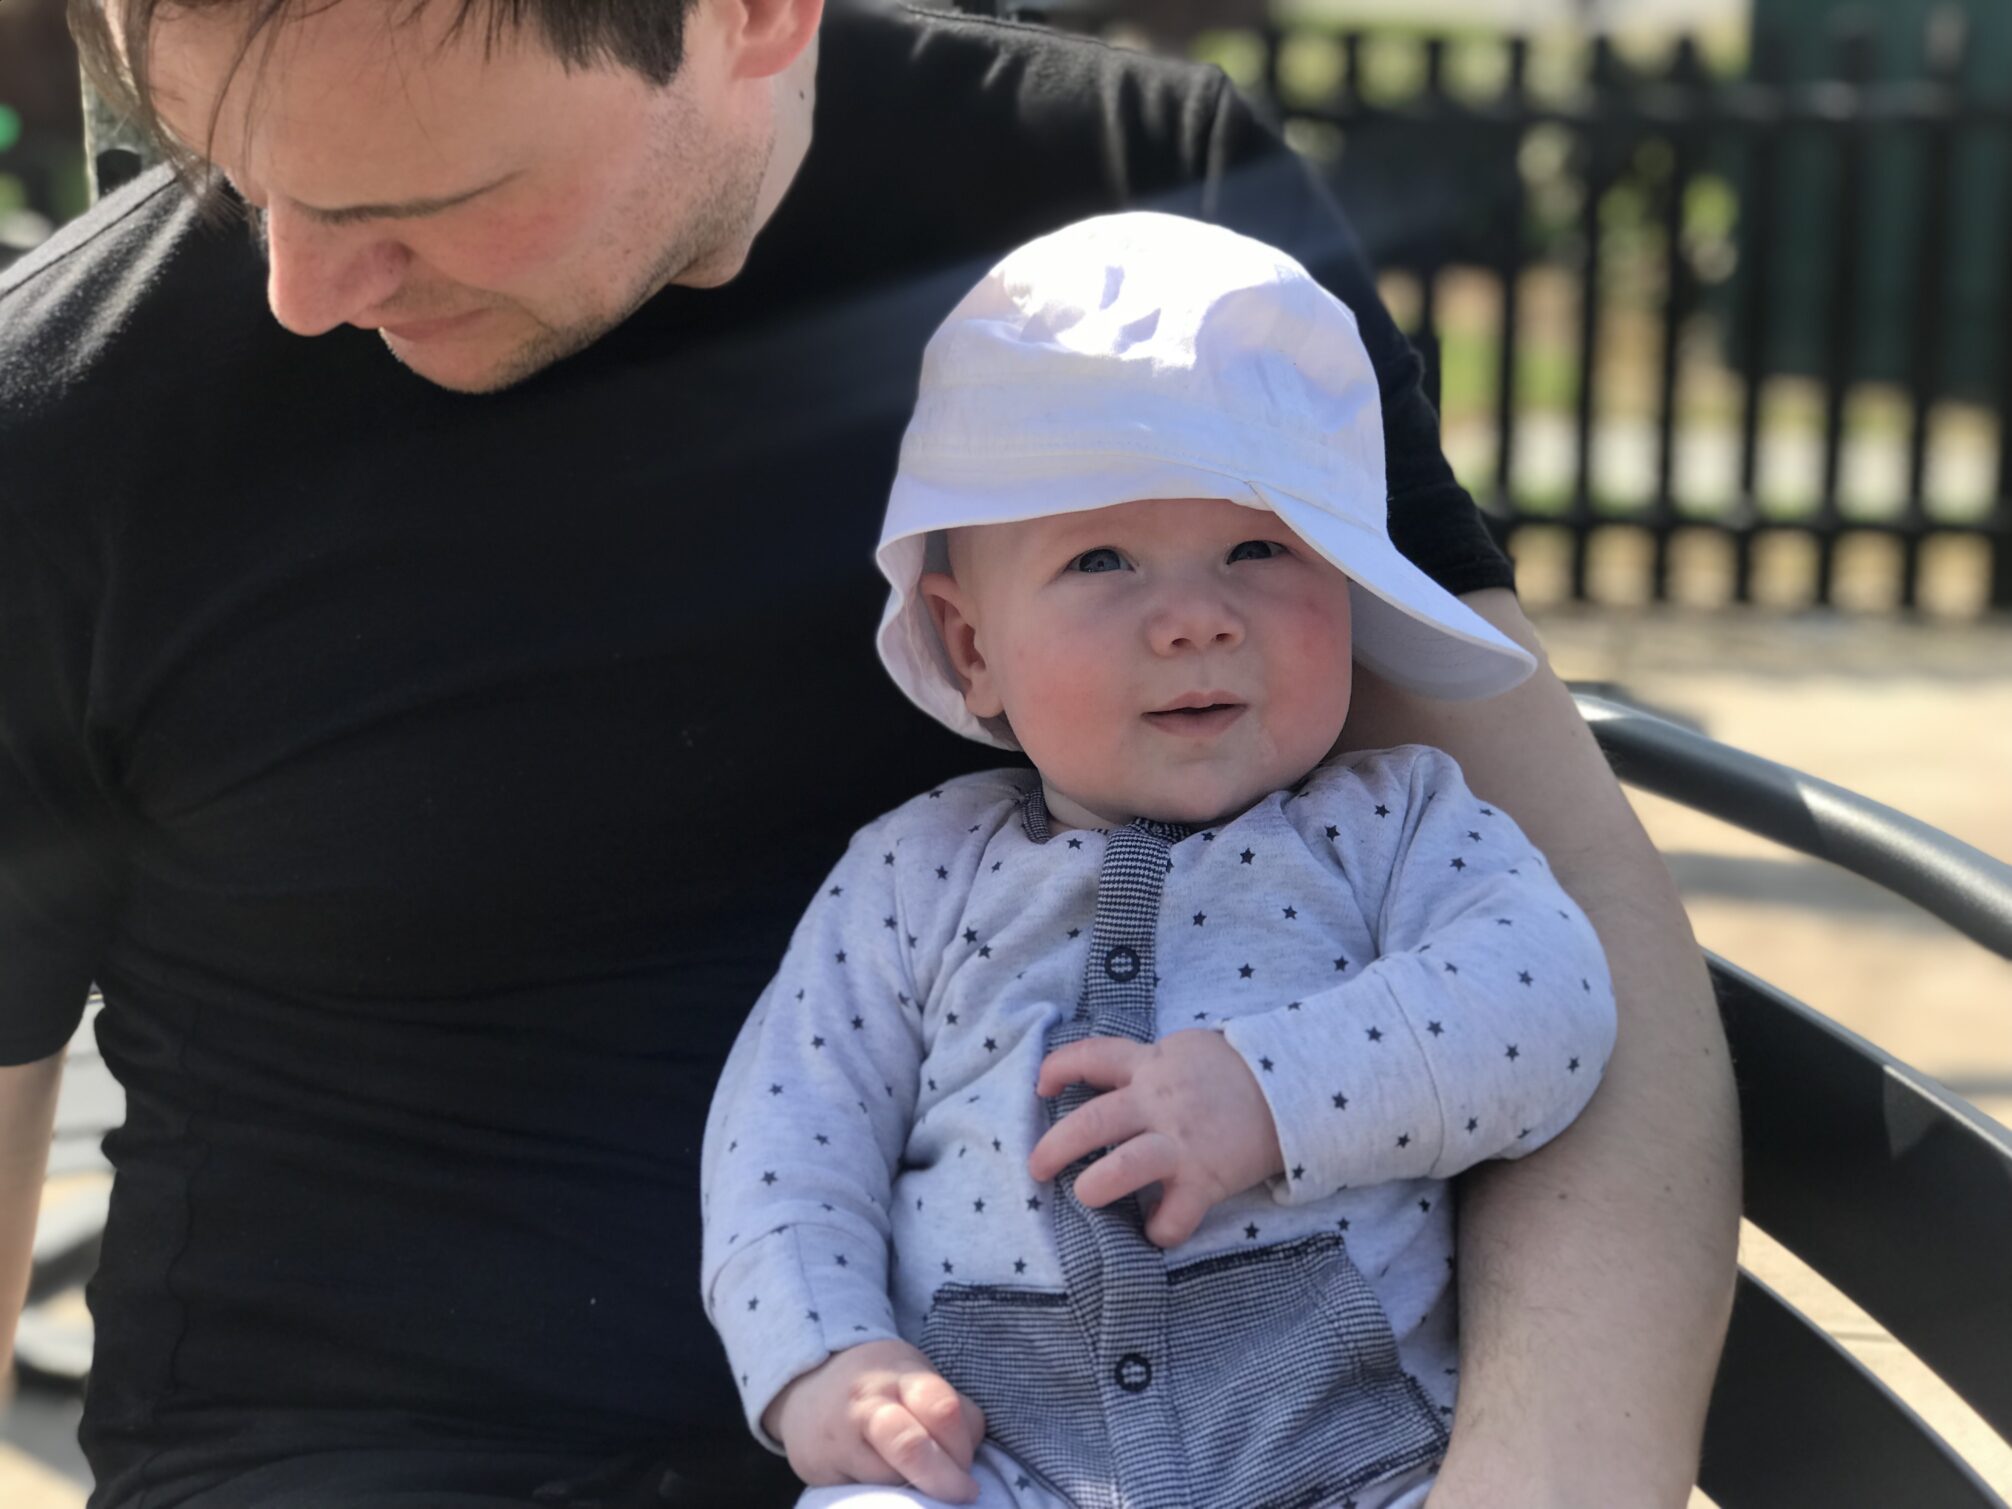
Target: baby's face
(1174, 659)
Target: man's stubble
(709, 247)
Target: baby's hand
(1185, 1112)
(879, 1413)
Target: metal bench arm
(1963, 886)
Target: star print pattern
(1450, 1040)
(1298, 936)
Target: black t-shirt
(432, 781)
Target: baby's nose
(1195, 622)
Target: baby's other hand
(1184, 1112)
(879, 1413)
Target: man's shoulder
(963, 136)
(134, 212)
(944, 140)
(955, 44)
(1154, 119)
(131, 290)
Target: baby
(1089, 1147)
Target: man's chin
(490, 366)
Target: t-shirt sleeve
(1259, 186)
(58, 872)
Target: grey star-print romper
(1392, 959)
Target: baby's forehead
(1151, 515)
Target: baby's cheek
(1064, 701)
(1317, 666)
(1316, 639)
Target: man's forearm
(27, 1113)
(1596, 1275)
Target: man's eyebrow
(408, 209)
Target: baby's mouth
(1202, 718)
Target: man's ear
(956, 625)
(769, 35)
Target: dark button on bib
(1121, 963)
(1134, 1373)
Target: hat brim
(1406, 628)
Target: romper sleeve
(59, 865)
(1484, 1022)
(806, 1132)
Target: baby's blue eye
(1267, 549)
(1102, 559)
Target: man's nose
(320, 276)
(1195, 620)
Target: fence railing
(1750, 128)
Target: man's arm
(1596, 1276)
(27, 1115)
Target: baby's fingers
(974, 1422)
(905, 1444)
(941, 1409)
(1106, 1062)
(1104, 1121)
(1179, 1215)
(1146, 1159)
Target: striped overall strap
(1117, 1280)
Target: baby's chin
(1198, 819)
(1210, 810)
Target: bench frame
(1891, 1188)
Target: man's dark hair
(646, 36)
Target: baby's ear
(951, 608)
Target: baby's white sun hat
(1149, 356)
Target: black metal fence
(1770, 138)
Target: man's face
(1173, 659)
(487, 214)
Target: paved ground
(1919, 716)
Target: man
(387, 723)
